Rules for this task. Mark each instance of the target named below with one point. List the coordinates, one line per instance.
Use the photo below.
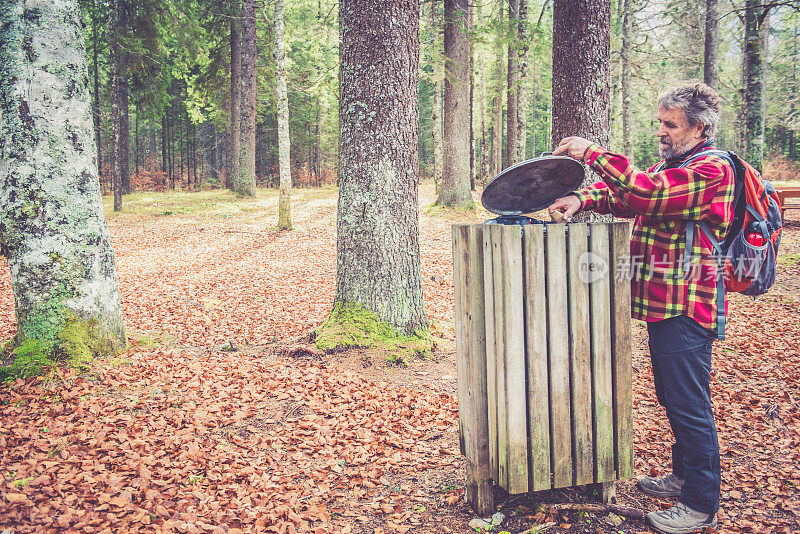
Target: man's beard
(671, 151)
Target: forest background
(172, 61)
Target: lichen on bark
(52, 225)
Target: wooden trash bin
(543, 350)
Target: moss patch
(76, 344)
(353, 326)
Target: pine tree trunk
(52, 226)
(378, 257)
(164, 155)
(122, 94)
(754, 81)
(497, 101)
(711, 55)
(522, 92)
(581, 92)
(113, 76)
(627, 23)
(234, 144)
(247, 148)
(512, 111)
(455, 191)
(471, 104)
(96, 96)
(284, 163)
(438, 75)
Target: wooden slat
(580, 354)
(558, 356)
(621, 358)
(516, 403)
(500, 351)
(600, 292)
(460, 267)
(491, 359)
(536, 360)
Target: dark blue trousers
(680, 350)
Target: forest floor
(219, 418)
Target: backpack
(746, 267)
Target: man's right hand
(568, 206)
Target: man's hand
(574, 147)
(568, 206)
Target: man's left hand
(574, 147)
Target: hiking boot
(666, 486)
(680, 519)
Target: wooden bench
(789, 196)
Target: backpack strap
(719, 253)
(719, 256)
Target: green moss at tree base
(76, 344)
(353, 326)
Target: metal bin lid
(532, 185)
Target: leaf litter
(186, 436)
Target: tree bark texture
(753, 62)
(234, 143)
(497, 101)
(455, 190)
(438, 75)
(522, 91)
(96, 94)
(711, 53)
(627, 25)
(122, 96)
(52, 226)
(113, 76)
(378, 258)
(581, 85)
(512, 87)
(247, 148)
(285, 195)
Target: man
(678, 304)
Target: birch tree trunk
(711, 54)
(581, 86)
(378, 259)
(247, 148)
(122, 96)
(234, 143)
(285, 195)
(455, 190)
(52, 227)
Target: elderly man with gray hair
(678, 304)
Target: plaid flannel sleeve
(598, 197)
(675, 193)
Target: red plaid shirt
(661, 203)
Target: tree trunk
(581, 55)
(711, 55)
(471, 104)
(234, 145)
(753, 63)
(113, 76)
(497, 101)
(512, 111)
(247, 148)
(378, 258)
(522, 91)
(122, 94)
(164, 155)
(96, 96)
(284, 162)
(627, 23)
(438, 75)
(455, 191)
(52, 225)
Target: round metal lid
(532, 185)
